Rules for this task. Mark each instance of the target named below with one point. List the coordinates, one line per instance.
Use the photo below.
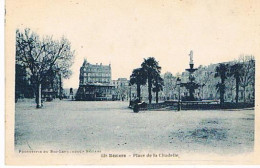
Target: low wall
(196, 105)
(156, 106)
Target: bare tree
(169, 84)
(43, 56)
(248, 72)
(203, 76)
(231, 85)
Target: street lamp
(179, 89)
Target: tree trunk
(157, 96)
(231, 91)
(202, 96)
(237, 89)
(39, 96)
(244, 94)
(150, 91)
(221, 97)
(222, 93)
(138, 91)
(130, 96)
(60, 87)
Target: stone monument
(191, 85)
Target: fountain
(191, 85)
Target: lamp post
(179, 89)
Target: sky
(125, 32)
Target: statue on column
(191, 57)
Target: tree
(231, 85)
(202, 76)
(122, 91)
(248, 73)
(152, 70)
(20, 82)
(169, 85)
(236, 71)
(158, 86)
(138, 77)
(221, 71)
(42, 57)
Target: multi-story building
(94, 73)
(122, 89)
(95, 82)
(120, 83)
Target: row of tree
(235, 76)
(43, 58)
(149, 73)
(242, 71)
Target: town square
(132, 80)
(204, 108)
(112, 126)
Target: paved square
(103, 126)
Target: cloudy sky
(125, 32)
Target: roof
(99, 84)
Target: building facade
(95, 82)
(94, 73)
(122, 89)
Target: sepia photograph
(132, 82)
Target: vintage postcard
(132, 82)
